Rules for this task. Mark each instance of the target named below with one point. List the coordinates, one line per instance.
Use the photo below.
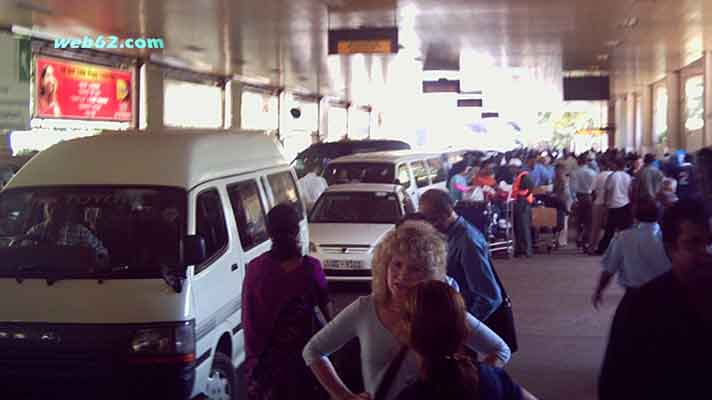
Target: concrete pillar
(324, 106)
(619, 137)
(674, 136)
(630, 122)
(235, 104)
(153, 98)
(612, 110)
(707, 136)
(648, 144)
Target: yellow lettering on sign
(364, 46)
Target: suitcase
(544, 217)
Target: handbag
(502, 319)
(385, 386)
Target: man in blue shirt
(537, 172)
(468, 260)
(637, 254)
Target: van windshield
(357, 208)
(83, 229)
(340, 173)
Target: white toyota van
(122, 258)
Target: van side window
(210, 223)
(404, 175)
(284, 190)
(421, 173)
(438, 173)
(249, 213)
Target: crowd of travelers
(437, 323)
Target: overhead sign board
(363, 41)
(73, 90)
(441, 86)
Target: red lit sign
(72, 90)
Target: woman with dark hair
(279, 295)
(458, 183)
(437, 331)
(47, 93)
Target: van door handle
(234, 267)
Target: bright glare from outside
(192, 105)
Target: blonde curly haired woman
(412, 253)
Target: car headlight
(312, 247)
(162, 340)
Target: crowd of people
(436, 325)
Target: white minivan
(122, 258)
(416, 172)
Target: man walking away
(583, 179)
(617, 199)
(599, 206)
(468, 260)
(637, 255)
(650, 180)
(523, 199)
(312, 185)
(659, 346)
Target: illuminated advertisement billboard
(73, 90)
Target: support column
(630, 122)
(235, 104)
(674, 122)
(612, 118)
(619, 139)
(707, 136)
(648, 144)
(153, 99)
(324, 106)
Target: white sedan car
(348, 221)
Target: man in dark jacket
(660, 346)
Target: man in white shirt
(582, 180)
(617, 200)
(312, 186)
(637, 255)
(599, 205)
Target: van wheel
(221, 383)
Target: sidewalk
(562, 338)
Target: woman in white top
(599, 205)
(408, 255)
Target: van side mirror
(192, 250)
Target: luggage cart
(493, 220)
(544, 223)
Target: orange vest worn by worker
(518, 193)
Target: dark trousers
(522, 227)
(618, 219)
(584, 217)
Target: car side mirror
(398, 182)
(192, 250)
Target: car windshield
(357, 208)
(340, 173)
(303, 164)
(85, 229)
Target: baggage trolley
(493, 221)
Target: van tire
(222, 381)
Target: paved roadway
(562, 338)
